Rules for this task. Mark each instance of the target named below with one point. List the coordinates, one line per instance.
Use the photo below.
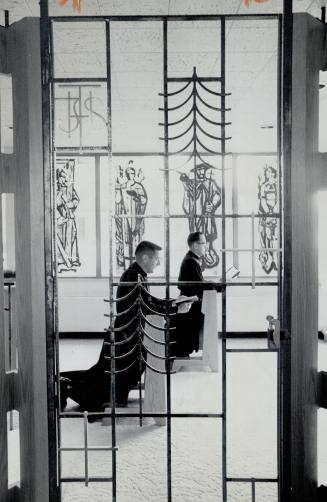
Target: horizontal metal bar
(77, 79)
(225, 284)
(89, 448)
(250, 250)
(75, 414)
(168, 283)
(251, 350)
(191, 79)
(251, 480)
(192, 283)
(200, 17)
(75, 150)
(97, 479)
(208, 215)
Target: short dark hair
(146, 247)
(194, 237)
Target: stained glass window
(75, 216)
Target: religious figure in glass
(67, 201)
(268, 223)
(202, 198)
(130, 204)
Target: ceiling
(137, 62)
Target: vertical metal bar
(223, 259)
(111, 306)
(9, 328)
(166, 158)
(97, 217)
(167, 253)
(194, 150)
(49, 244)
(279, 167)
(278, 418)
(253, 490)
(235, 209)
(7, 19)
(168, 405)
(252, 252)
(286, 314)
(139, 337)
(11, 413)
(86, 451)
(280, 243)
(81, 118)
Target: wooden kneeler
(208, 341)
(155, 383)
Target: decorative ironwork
(202, 194)
(67, 201)
(268, 224)
(131, 201)
(82, 103)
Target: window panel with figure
(75, 216)
(196, 193)
(256, 191)
(137, 185)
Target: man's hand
(184, 307)
(184, 303)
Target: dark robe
(91, 388)
(189, 326)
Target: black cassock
(91, 388)
(190, 325)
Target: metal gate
(198, 88)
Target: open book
(185, 299)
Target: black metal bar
(102, 151)
(74, 414)
(251, 480)
(216, 216)
(323, 14)
(98, 263)
(168, 407)
(286, 314)
(280, 239)
(208, 283)
(279, 164)
(223, 263)
(92, 479)
(166, 154)
(7, 23)
(59, 80)
(203, 17)
(112, 334)
(50, 265)
(252, 350)
(167, 254)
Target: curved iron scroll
(126, 333)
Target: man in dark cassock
(189, 325)
(91, 388)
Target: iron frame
(48, 82)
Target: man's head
(197, 243)
(147, 256)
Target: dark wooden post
(301, 265)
